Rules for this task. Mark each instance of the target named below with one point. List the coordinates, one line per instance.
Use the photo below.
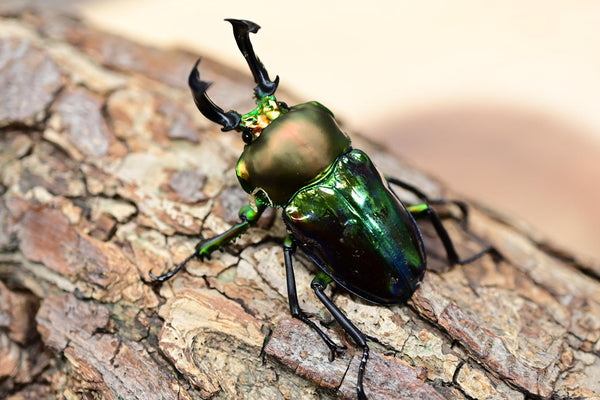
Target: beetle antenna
(230, 119)
(241, 31)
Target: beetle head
(268, 108)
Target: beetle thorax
(293, 151)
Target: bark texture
(109, 172)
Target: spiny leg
(289, 248)
(318, 285)
(248, 216)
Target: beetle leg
(289, 247)
(417, 192)
(453, 258)
(318, 285)
(426, 210)
(407, 186)
(248, 217)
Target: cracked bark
(108, 172)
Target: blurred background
(497, 99)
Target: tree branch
(108, 173)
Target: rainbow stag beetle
(338, 208)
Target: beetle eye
(247, 137)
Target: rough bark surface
(109, 172)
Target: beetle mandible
(337, 207)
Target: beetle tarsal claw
(336, 351)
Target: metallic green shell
(355, 228)
(294, 150)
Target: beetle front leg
(289, 248)
(318, 285)
(248, 216)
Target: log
(108, 173)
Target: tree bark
(108, 173)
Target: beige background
(499, 99)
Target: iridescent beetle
(338, 208)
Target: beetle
(337, 207)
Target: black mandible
(241, 31)
(230, 119)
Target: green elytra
(338, 208)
